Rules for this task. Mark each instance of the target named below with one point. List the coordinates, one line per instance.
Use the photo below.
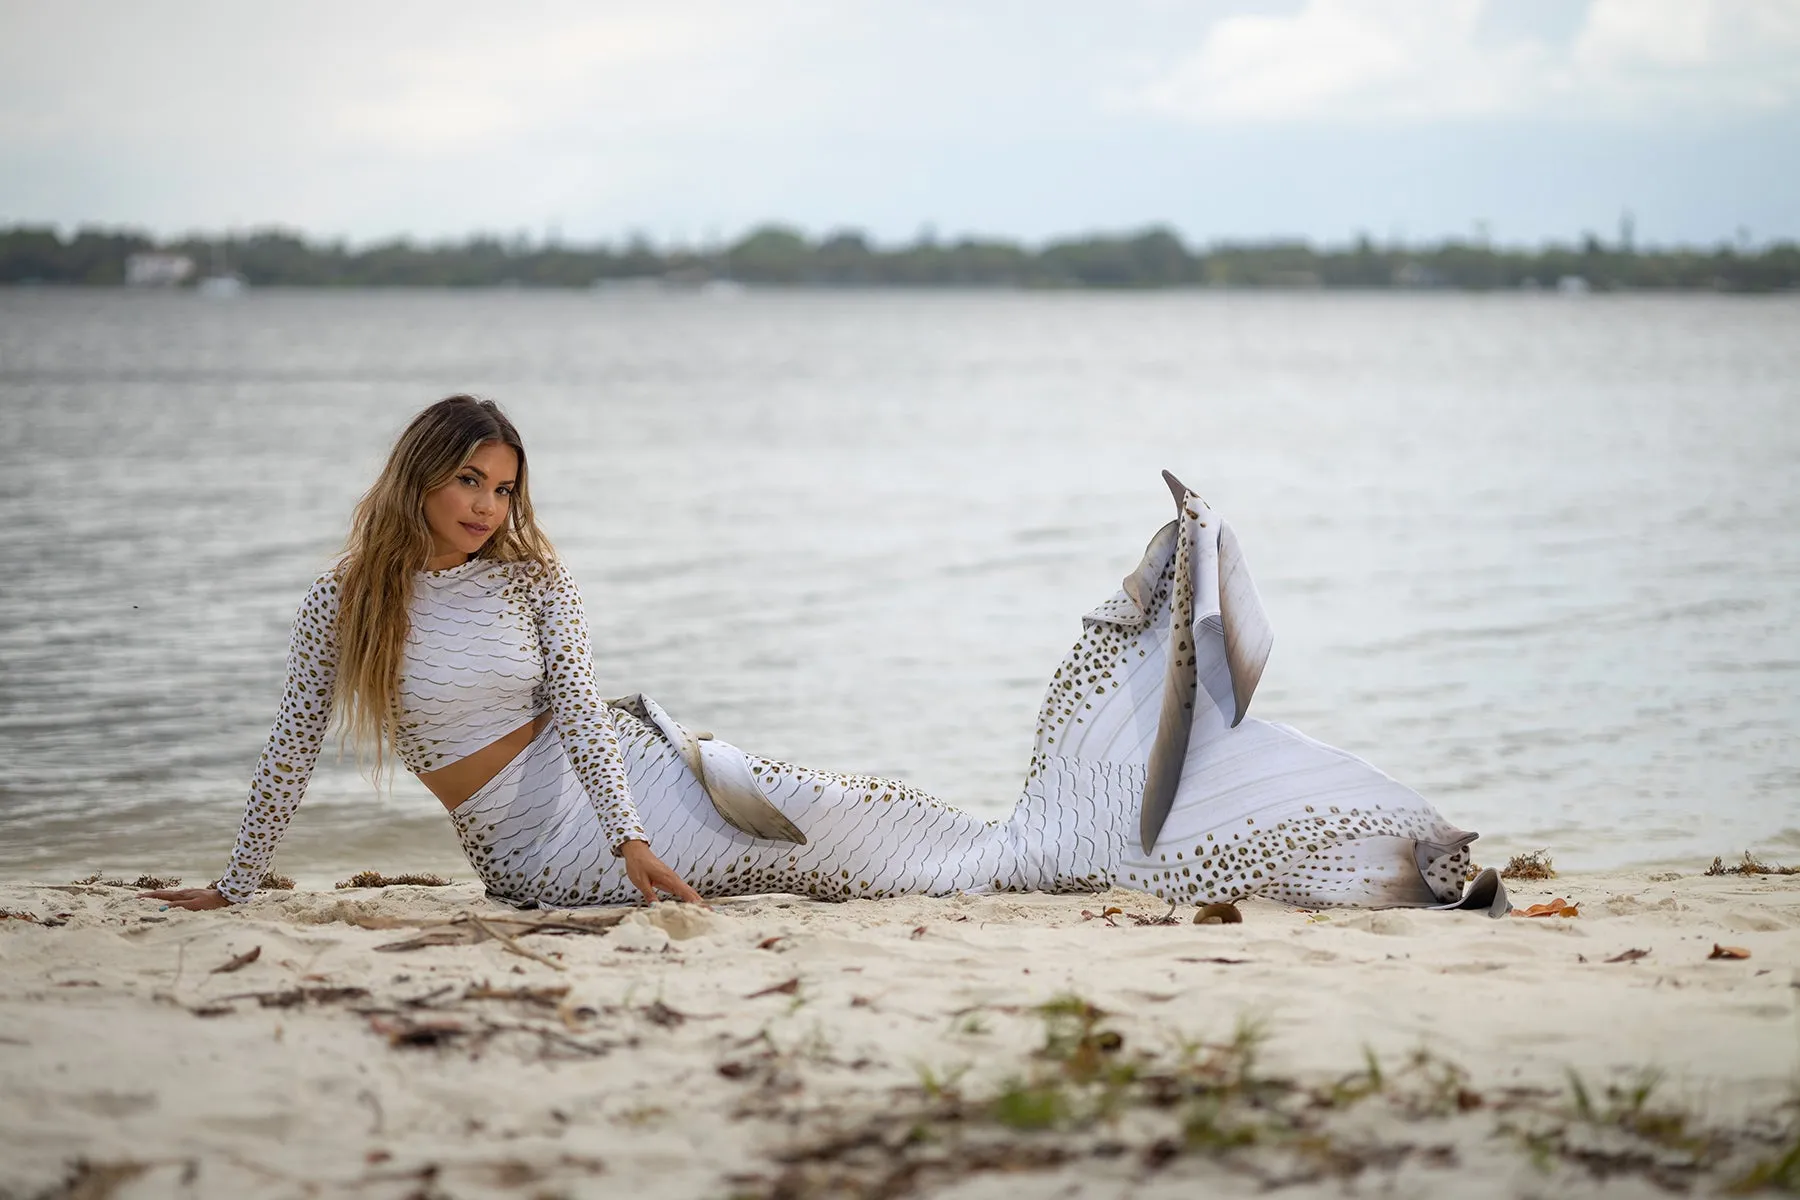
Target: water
(1534, 555)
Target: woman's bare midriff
(467, 775)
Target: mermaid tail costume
(1147, 771)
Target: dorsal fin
(1177, 489)
(1248, 637)
(727, 779)
(1174, 723)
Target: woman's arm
(583, 719)
(584, 722)
(293, 746)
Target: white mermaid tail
(1233, 806)
(1146, 772)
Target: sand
(780, 1047)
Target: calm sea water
(1534, 555)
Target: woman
(451, 635)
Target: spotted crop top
(492, 645)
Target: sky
(690, 121)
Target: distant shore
(425, 1040)
(775, 256)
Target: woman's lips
(478, 530)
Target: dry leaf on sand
(1719, 951)
(1556, 908)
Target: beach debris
(1230, 962)
(271, 882)
(90, 1180)
(438, 1029)
(1535, 865)
(424, 999)
(547, 996)
(240, 962)
(1106, 914)
(295, 996)
(917, 933)
(466, 929)
(658, 1013)
(1166, 918)
(1719, 951)
(768, 943)
(375, 879)
(1556, 908)
(413, 1031)
(465, 936)
(147, 882)
(512, 943)
(1217, 914)
(1629, 956)
(1751, 865)
(1088, 1096)
(787, 987)
(15, 914)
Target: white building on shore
(157, 270)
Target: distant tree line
(777, 255)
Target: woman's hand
(200, 898)
(650, 875)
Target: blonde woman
(450, 635)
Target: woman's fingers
(650, 875)
(677, 887)
(192, 899)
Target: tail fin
(1162, 680)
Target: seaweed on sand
(1535, 865)
(1751, 865)
(375, 879)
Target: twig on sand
(549, 997)
(291, 997)
(511, 943)
(470, 928)
(240, 962)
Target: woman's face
(466, 512)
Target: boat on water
(221, 283)
(221, 287)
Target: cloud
(1398, 61)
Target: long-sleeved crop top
(492, 645)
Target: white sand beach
(780, 1047)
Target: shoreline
(780, 1046)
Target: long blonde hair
(390, 540)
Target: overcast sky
(692, 121)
